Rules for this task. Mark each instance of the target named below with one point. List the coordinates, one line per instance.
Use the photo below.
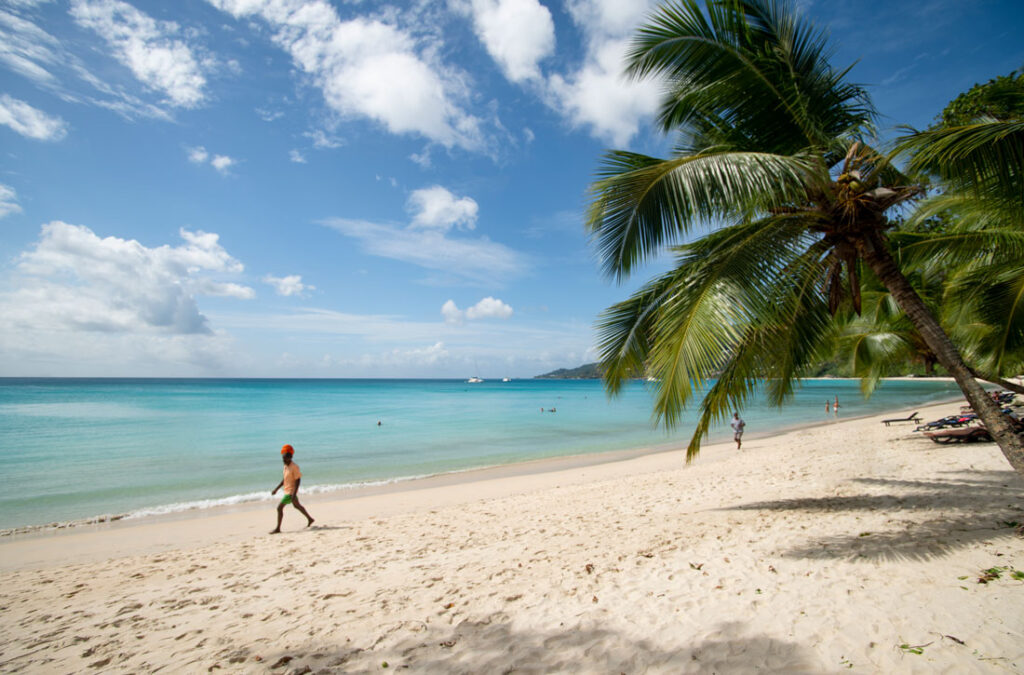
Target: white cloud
(451, 312)
(28, 3)
(289, 285)
(322, 140)
(296, 156)
(269, 115)
(518, 34)
(596, 95)
(480, 259)
(8, 201)
(30, 122)
(436, 207)
(487, 308)
(222, 163)
(74, 281)
(27, 49)
(198, 155)
(366, 68)
(145, 47)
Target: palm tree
(772, 155)
(976, 151)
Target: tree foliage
(774, 159)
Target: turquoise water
(79, 448)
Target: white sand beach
(849, 547)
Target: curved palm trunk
(876, 255)
(1005, 384)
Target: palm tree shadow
(492, 645)
(969, 507)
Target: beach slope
(851, 547)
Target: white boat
(474, 380)
(506, 379)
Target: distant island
(588, 371)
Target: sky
(346, 188)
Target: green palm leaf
(642, 203)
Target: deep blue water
(79, 448)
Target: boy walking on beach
(737, 425)
(290, 482)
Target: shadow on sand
(969, 507)
(493, 646)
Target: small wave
(202, 504)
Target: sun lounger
(962, 435)
(913, 418)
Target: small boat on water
(474, 380)
(506, 379)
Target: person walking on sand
(290, 483)
(737, 425)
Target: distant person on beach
(290, 483)
(828, 406)
(836, 406)
(737, 425)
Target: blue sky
(304, 188)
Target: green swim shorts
(287, 499)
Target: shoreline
(164, 513)
(166, 531)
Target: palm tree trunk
(876, 255)
(994, 379)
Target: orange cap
(287, 449)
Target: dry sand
(850, 547)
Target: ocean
(78, 449)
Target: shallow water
(79, 448)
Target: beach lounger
(913, 418)
(951, 421)
(962, 435)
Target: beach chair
(961, 435)
(913, 418)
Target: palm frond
(641, 203)
(993, 296)
(985, 158)
(771, 68)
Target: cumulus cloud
(451, 312)
(8, 201)
(487, 308)
(222, 163)
(30, 122)
(146, 47)
(596, 95)
(74, 280)
(436, 207)
(198, 155)
(296, 156)
(289, 285)
(517, 34)
(367, 68)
